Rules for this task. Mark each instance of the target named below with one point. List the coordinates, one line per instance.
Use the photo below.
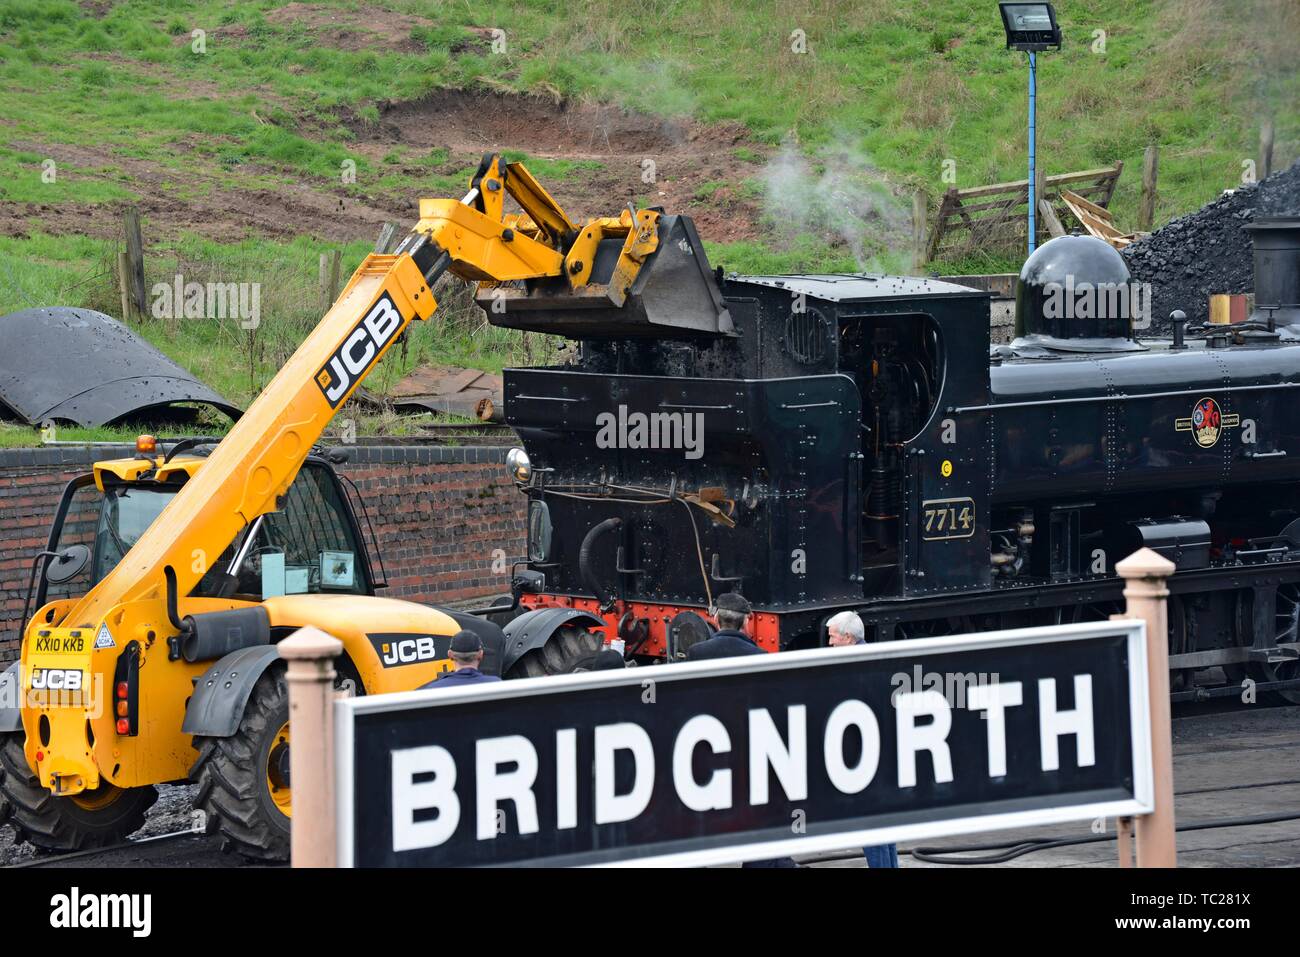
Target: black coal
(1207, 251)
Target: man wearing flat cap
(733, 613)
(732, 639)
(466, 655)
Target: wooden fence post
(329, 279)
(1144, 573)
(124, 283)
(310, 654)
(1265, 148)
(918, 230)
(387, 239)
(1147, 208)
(135, 261)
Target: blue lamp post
(1031, 27)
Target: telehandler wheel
(6, 809)
(559, 656)
(244, 779)
(95, 818)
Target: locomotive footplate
(1018, 603)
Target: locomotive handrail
(1117, 397)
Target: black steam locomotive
(835, 442)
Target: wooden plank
(1055, 180)
(1099, 211)
(1099, 226)
(1096, 190)
(1095, 224)
(992, 216)
(997, 203)
(1048, 215)
(1105, 173)
(1110, 183)
(986, 223)
(936, 234)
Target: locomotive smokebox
(1074, 294)
(1277, 270)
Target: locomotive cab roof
(857, 287)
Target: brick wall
(443, 518)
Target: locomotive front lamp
(519, 465)
(1031, 27)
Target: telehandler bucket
(674, 292)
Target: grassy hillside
(254, 135)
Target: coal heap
(1207, 251)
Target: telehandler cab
(169, 578)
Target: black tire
(562, 652)
(507, 614)
(6, 809)
(97, 819)
(235, 787)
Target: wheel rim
(277, 772)
(103, 796)
(1286, 627)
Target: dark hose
(585, 571)
(173, 613)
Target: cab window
(308, 547)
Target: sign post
(310, 654)
(1145, 594)
(747, 758)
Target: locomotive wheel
(1181, 640)
(559, 656)
(95, 818)
(244, 779)
(934, 627)
(1286, 628)
(1094, 611)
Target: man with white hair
(844, 629)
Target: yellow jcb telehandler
(169, 577)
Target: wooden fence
(995, 218)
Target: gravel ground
(1206, 251)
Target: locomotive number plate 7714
(943, 518)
